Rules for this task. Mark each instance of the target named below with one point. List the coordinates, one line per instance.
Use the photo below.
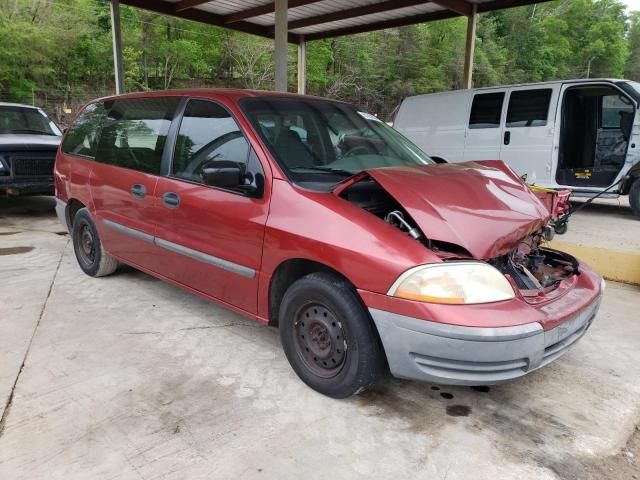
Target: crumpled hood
(483, 207)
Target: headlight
(453, 283)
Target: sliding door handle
(507, 137)
(138, 190)
(171, 200)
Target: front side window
(81, 138)
(616, 111)
(319, 141)
(208, 133)
(486, 110)
(528, 108)
(15, 120)
(134, 133)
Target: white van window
(486, 110)
(528, 108)
(614, 110)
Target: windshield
(325, 141)
(21, 120)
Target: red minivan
(305, 214)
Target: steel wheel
(87, 245)
(320, 340)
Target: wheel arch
(73, 205)
(633, 176)
(286, 273)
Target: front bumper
(29, 187)
(458, 355)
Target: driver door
(212, 237)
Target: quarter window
(486, 110)
(81, 138)
(528, 108)
(208, 133)
(134, 133)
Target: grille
(32, 164)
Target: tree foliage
(58, 52)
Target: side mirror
(223, 173)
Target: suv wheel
(91, 256)
(634, 197)
(328, 336)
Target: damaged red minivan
(304, 214)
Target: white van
(579, 134)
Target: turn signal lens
(454, 283)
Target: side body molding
(182, 250)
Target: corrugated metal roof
(321, 18)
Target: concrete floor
(608, 224)
(128, 377)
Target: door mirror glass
(223, 173)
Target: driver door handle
(171, 200)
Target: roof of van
(551, 82)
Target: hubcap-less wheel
(91, 256)
(320, 340)
(87, 245)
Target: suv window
(81, 138)
(134, 133)
(208, 133)
(486, 110)
(528, 108)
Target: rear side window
(81, 138)
(208, 133)
(486, 110)
(134, 133)
(528, 108)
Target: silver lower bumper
(455, 355)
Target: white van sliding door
(528, 136)
(484, 128)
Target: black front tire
(329, 337)
(634, 197)
(91, 256)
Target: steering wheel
(357, 150)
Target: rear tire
(90, 253)
(634, 197)
(329, 337)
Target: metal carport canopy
(299, 21)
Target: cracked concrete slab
(129, 377)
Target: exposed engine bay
(535, 268)
(531, 266)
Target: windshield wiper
(329, 170)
